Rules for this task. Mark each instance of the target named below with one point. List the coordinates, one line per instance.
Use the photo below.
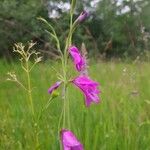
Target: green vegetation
(30, 118)
(120, 121)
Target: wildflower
(54, 87)
(69, 141)
(82, 16)
(89, 89)
(77, 58)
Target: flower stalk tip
(84, 14)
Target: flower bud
(82, 16)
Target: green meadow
(121, 121)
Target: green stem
(29, 89)
(66, 110)
(66, 106)
(31, 104)
(44, 108)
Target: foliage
(121, 26)
(18, 23)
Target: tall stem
(66, 119)
(66, 110)
(31, 103)
(66, 105)
(29, 89)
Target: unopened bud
(82, 16)
(55, 94)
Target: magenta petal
(69, 141)
(89, 89)
(77, 58)
(54, 87)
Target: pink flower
(77, 58)
(89, 89)
(54, 87)
(69, 141)
(82, 16)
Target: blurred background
(115, 28)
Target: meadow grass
(121, 121)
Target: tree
(18, 23)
